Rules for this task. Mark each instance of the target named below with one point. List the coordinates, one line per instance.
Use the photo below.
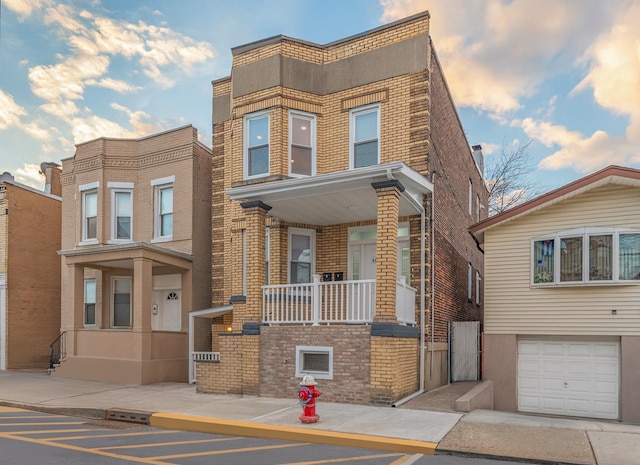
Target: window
(163, 208)
(469, 282)
(478, 207)
(256, 145)
(470, 198)
(121, 211)
(586, 255)
(301, 252)
(316, 361)
(89, 213)
(365, 136)
(302, 141)
(477, 287)
(121, 302)
(90, 302)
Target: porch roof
(338, 197)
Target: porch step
(131, 416)
(51, 370)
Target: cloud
(29, 174)
(113, 84)
(24, 8)
(10, 111)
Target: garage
(572, 378)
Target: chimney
(478, 158)
(6, 177)
(51, 173)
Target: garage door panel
(577, 378)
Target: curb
(287, 433)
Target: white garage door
(575, 378)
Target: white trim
(311, 118)
(89, 186)
(114, 223)
(469, 281)
(301, 350)
(206, 313)
(478, 280)
(311, 233)
(3, 322)
(157, 207)
(165, 180)
(353, 114)
(245, 143)
(120, 185)
(83, 232)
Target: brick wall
(224, 377)
(394, 365)
(351, 361)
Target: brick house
(342, 191)
(29, 270)
(135, 256)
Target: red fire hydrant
(307, 395)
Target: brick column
(141, 307)
(387, 249)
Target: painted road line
(349, 459)
(12, 409)
(45, 423)
(44, 442)
(226, 451)
(28, 417)
(287, 433)
(109, 435)
(174, 443)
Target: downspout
(421, 209)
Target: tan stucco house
(562, 287)
(343, 190)
(136, 254)
(29, 270)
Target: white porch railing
(405, 302)
(202, 357)
(331, 302)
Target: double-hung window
(586, 255)
(364, 136)
(89, 213)
(302, 142)
(89, 302)
(301, 255)
(121, 316)
(163, 208)
(256, 145)
(121, 211)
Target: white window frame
(300, 353)
(311, 119)
(113, 292)
(312, 243)
(118, 188)
(469, 282)
(159, 185)
(353, 114)
(583, 233)
(478, 280)
(470, 198)
(85, 190)
(245, 150)
(87, 302)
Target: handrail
(58, 350)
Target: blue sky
(563, 73)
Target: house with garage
(29, 270)
(562, 286)
(136, 256)
(343, 190)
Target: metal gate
(464, 350)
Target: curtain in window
(543, 261)
(571, 259)
(600, 258)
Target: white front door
(166, 310)
(576, 378)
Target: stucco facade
(323, 164)
(29, 271)
(136, 256)
(562, 327)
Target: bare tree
(507, 178)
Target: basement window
(316, 361)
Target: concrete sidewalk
(408, 429)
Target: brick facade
(394, 70)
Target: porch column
(256, 214)
(76, 315)
(141, 308)
(387, 249)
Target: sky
(563, 74)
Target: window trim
(245, 144)
(113, 308)
(353, 114)
(312, 125)
(470, 198)
(84, 239)
(478, 280)
(89, 281)
(117, 188)
(302, 350)
(312, 244)
(158, 187)
(583, 233)
(469, 282)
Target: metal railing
(58, 350)
(202, 357)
